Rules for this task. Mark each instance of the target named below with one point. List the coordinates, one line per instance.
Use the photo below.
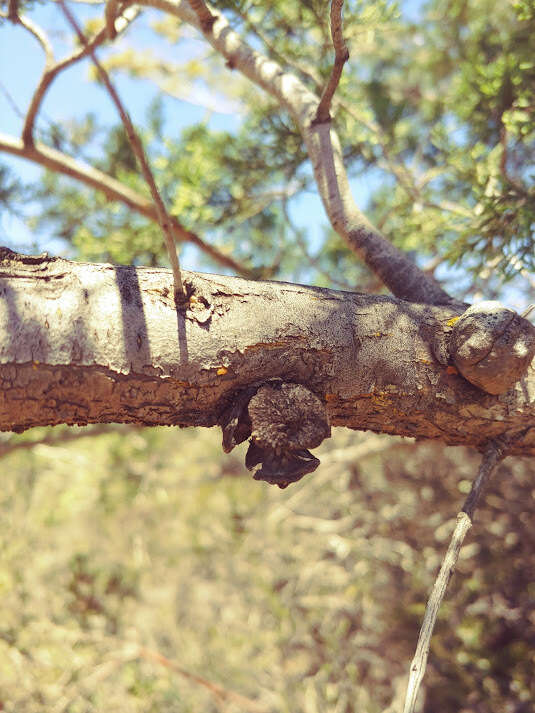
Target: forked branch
(52, 69)
(340, 58)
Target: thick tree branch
(395, 268)
(340, 58)
(86, 343)
(493, 454)
(114, 190)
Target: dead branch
(221, 693)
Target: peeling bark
(84, 343)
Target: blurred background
(129, 556)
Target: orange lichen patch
(451, 370)
(452, 321)
(222, 370)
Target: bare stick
(493, 454)
(137, 147)
(341, 55)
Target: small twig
(493, 454)
(12, 103)
(137, 147)
(341, 55)
(203, 13)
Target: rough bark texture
(84, 343)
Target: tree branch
(114, 190)
(492, 455)
(340, 58)
(395, 269)
(206, 18)
(110, 14)
(137, 147)
(119, 352)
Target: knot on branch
(492, 346)
(283, 421)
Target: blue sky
(72, 95)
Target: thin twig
(52, 69)
(341, 55)
(493, 454)
(137, 147)
(12, 103)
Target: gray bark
(84, 343)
